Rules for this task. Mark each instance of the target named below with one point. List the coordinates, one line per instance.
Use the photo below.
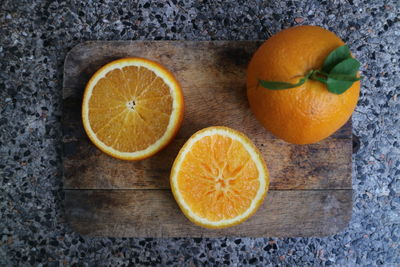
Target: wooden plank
(154, 213)
(138, 203)
(291, 167)
(201, 63)
(212, 75)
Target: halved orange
(132, 108)
(219, 178)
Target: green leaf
(283, 85)
(338, 86)
(344, 77)
(348, 67)
(335, 57)
(339, 72)
(278, 85)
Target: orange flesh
(218, 178)
(130, 108)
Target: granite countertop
(34, 39)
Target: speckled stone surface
(34, 39)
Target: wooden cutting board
(310, 191)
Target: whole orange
(307, 113)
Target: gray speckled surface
(34, 39)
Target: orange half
(132, 108)
(219, 178)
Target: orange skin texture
(308, 113)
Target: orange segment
(132, 108)
(219, 178)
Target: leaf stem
(338, 73)
(319, 75)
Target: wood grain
(212, 75)
(310, 191)
(154, 213)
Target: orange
(219, 178)
(132, 108)
(307, 113)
